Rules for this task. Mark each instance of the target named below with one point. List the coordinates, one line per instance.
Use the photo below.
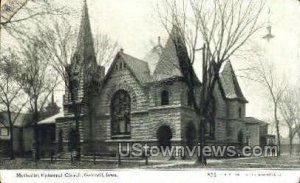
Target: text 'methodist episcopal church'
(147, 101)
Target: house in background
(23, 130)
(47, 129)
(23, 133)
(257, 132)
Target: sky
(134, 24)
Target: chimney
(158, 41)
(121, 50)
(52, 98)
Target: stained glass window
(120, 113)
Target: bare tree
(38, 81)
(22, 10)
(223, 27)
(265, 73)
(290, 110)
(10, 94)
(59, 44)
(105, 48)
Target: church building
(146, 100)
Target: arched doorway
(164, 136)
(240, 138)
(190, 134)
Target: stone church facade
(147, 101)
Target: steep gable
(138, 68)
(229, 84)
(168, 64)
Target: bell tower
(84, 70)
(85, 77)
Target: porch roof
(51, 119)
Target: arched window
(190, 98)
(120, 113)
(164, 97)
(240, 112)
(240, 137)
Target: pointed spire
(85, 44)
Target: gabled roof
(22, 120)
(168, 64)
(137, 67)
(252, 120)
(229, 84)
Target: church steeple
(85, 45)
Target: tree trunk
(11, 142)
(201, 160)
(291, 143)
(277, 130)
(11, 133)
(36, 130)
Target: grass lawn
(283, 162)
(64, 164)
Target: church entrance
(164, 136)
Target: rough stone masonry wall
(65, 124)
(254, 135)
(228, 122)
(171, 114)
(221, 115)
(147, 113)
(188, 116)
(122, 79)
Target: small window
(240, 112)
(4, 132)
(120, 66)
(164, 97)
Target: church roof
(51, 119)
(168, 63)
(138, 67)
(229, 84)
(252, 120)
